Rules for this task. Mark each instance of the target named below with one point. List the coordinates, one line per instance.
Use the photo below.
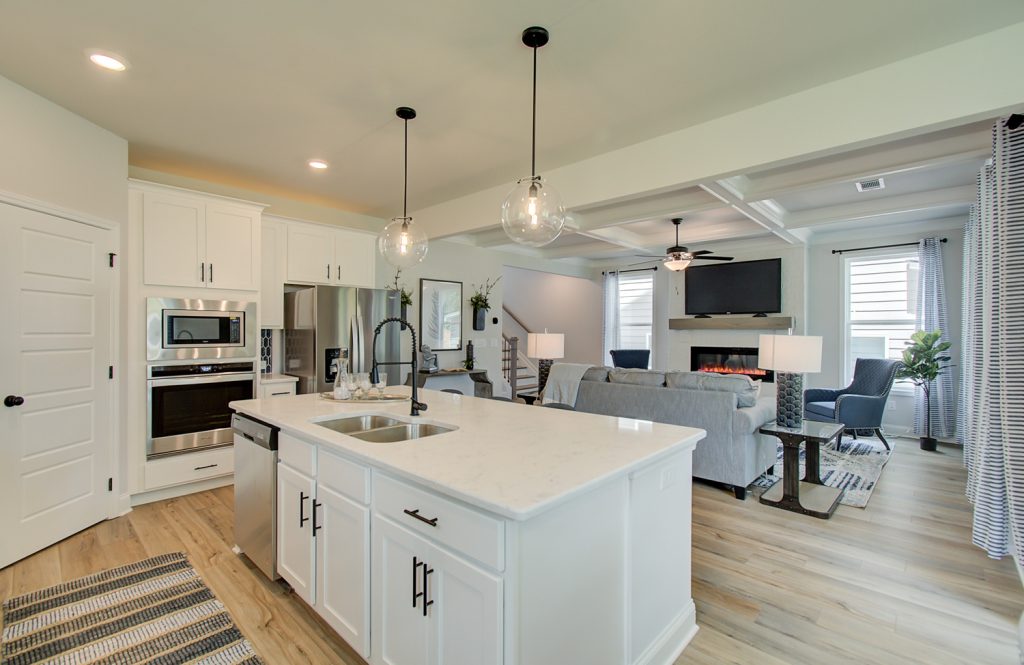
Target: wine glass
(382, 383)
(353, 385)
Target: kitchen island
(518, 535)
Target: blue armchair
(637, 358)
(861, 404)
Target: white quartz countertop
(511, 459)
(277, 378)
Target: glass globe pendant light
(532, 213)
(401, 243)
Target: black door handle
(316, 527)
(416, 563)
(302, 509)
(14, 400)
(426, 593)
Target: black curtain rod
(633, 270)
(861, 249)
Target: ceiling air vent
(871, 185)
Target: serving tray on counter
(365, 400)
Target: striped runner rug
(853, 468)
(152, 611)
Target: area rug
(854, 468)
(153, 611)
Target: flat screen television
(744, 287)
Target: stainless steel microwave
(191, 329)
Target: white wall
(52, 155)
(825, 305)
(568, 305)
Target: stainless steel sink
(400, 432)
(382, 429)
(354, 424)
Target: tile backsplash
(266, 350)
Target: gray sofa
(733, 453)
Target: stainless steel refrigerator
(328, 326)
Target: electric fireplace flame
(729, 360)
(721, 369)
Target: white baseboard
(181, 490)
(666, 648)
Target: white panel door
(354, 256)
(273, 245)
(232, 246)
(173, 240)
(295, 549)
(401, 629)
(343, 567)
(310, 254)
(467, 612)
(56, 434)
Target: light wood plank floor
(897, 582)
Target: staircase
(520, 372)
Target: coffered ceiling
(244, 92)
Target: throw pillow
(637, 377)
(745, 388)
(596, 374)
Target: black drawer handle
(276, 394)
(416, 513)
(316, 504)
(302, 509)
(208, 466)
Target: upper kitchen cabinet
(273, 246)
(193, 240)
(324, 255)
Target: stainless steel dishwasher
(256, 492)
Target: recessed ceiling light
(107, 60)
(318, 164)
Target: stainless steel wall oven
(187, 404)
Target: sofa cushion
(745, 388)
(825, 410)
(636, 377)
(596, 374)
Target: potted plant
(404, 293)
(480, 301)
(923, 362)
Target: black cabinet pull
(302, 509)
(416, 563)
(211, 273)
(208, 466)
(316, 504)
(339, 272)
(202, 272)
(426, 593)
(328, 271)
(13, 400)
(416, 513)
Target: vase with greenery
(480, 301)
(404, 294)
(924, 360)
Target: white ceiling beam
(905, 157)
(720, 233)
(671, 204)
(879, 207)
(618, 236)
(726, 191)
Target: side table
(808, 496)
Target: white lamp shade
(676, 264)
(548, 346)
(789, 353)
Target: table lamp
(546, 348)
(789, 356)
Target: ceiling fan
(678, 258)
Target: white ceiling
(243, 92)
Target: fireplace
(729, 360)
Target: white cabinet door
(232, 243)
(401, 629)
(310, 254)
(354, 258)
(295, 551)
(173, 240)
(468, 612)
(343, 567)
(273, 244)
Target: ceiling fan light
(676, 263)
(533, 214)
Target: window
(881, 303)
(636, 310)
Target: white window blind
(636, 310)
(881, 304)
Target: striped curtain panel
(991, 424)
(611, 314)
(931, 315)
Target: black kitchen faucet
(417, 405)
